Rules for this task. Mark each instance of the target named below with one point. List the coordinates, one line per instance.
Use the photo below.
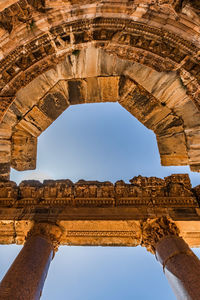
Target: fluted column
(25, 278)
(180, 264)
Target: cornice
(173, 191)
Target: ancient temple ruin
(145, 55)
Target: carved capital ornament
(154, 230)
(51, 232)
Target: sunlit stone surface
(143, 54)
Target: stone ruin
(144, 55)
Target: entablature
(99, 213)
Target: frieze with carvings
(148, 47)
(174, 190)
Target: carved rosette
(50, 232)
(154, 230)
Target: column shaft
(25, 278)
(181, 267)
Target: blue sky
(99, 142)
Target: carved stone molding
(49, 231)
(173, 191)
(154, 230)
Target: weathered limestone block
(34, 122)
(172, 149)
(29, 95)
(77, 91)
(89, 193)
(85, 63)
(7, 124)
(151, 186)
(189, 231)
(55, 102)
(193, 138)
(31, 190)
(60, 191)
(141, 104)
(24, 151)
(93, 90)
(50, 189)
(21, 230)
(105, 233)
(179, 184)
(121, 189)
(171, 124)
(109, 87)
(5, 155)
(197, 192)
(8, 193)
(59, 188)
(7, 232)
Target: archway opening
(100, 141)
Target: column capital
(154, 230)
(51, 232)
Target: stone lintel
(96, 232)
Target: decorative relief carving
(49, 231)
(174, 191)
(154, 230)
(178, 186)
(141, 43)
(8, 193)
(84, 233)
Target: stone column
(25, 278)
(180, 264)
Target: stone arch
(144, 33)
(154, 98)
(148, 54)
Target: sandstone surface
(143, 54)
